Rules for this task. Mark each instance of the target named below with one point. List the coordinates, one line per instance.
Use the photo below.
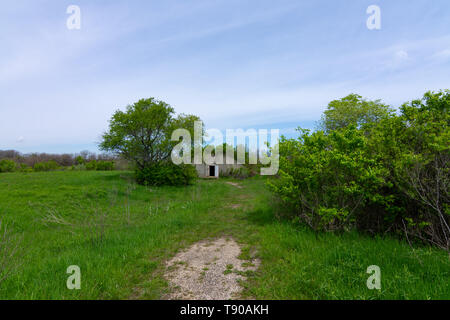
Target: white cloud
(402, 55)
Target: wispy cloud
(442, 55)
(234, 63)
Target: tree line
(12, 160)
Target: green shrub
(91, 165)
(80, 160)
(105, 165)
(387, 174)
(78, 167)
(24, 168)
(415, 148)
(166, 174)
(7, 165)
(326, 180)
(46, 166)
(99, 165)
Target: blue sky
(235, 63)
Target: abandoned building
(216, 170)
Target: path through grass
(121, 234)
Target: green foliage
(353, 110)
(327, 179)
(91, 165)
(80, 160)
(239, 173)
(372, 169)
(63, 215)
(79, 167)
(166, 173)
(46, 166)
(7, 165)
(415, 148)
(105, 165)
(22, 167)
(143, 133)
(99, 165)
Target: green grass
(121, 234)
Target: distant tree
(9, 154)
(84, 154)
(353, 110)
(66, 159)
(79, 160)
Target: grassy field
(120, 234)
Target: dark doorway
(212, 171)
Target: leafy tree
(353, 110)
(79, 160)
(143, 132)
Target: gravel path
(208, 270)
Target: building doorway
(212, 171)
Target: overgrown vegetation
(142, 134)
(13, 161)
(121, 234)
(244, 170)
(166, 173)
(7, 165)
(372, 169)
(46, 166)
(366, 169)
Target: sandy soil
(208, 270)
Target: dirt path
(208, 270)
(237, 185)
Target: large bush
(91, 165)
(415, 148)
(105, 165)
(46, 166)
(99, 165)
(390, 173)
(326, 180)
(166, 174)
(7, 165)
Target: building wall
(203, 169)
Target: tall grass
(121, 234)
